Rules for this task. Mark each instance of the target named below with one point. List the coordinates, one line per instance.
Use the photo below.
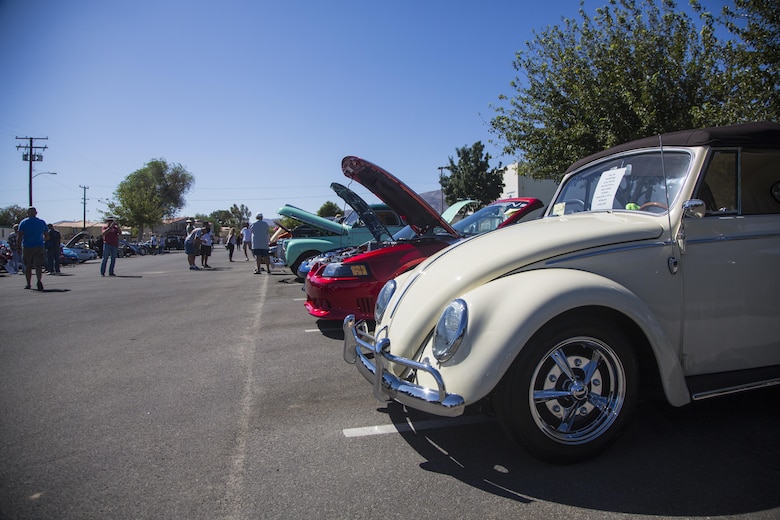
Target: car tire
(564, 418)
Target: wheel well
(650, 379)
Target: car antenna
(666, 191)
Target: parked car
(365, 223)
(6, 256)
(130, 249)
(655, 267)
(348, 281)
(454, 213)
(68, 256)
(81, 249)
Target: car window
(745, 182)
(760, 182)
(635, 182)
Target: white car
(654, 268)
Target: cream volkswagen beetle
(655, 268)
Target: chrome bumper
(372, 357)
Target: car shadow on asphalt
(712, 458)
(331, 329)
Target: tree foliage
(11, 215)
(750, 80)
(472, 177)
(150, 194)
(329, 209)
(636, 68)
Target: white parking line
(415, 426)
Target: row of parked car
(652, 273)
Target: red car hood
(390, 190)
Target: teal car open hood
(313, 220)
(367, 215)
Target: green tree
(329, 209)
(240, 215)
(472, 177)
(634, 69)
(11, 215)
(749, 86)
(150, 194)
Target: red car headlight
(339, 270)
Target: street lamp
(34, 176)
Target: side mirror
(694, 208)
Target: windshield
(488, 218)
(631, 182)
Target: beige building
(520, 186)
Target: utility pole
(84, 203)
(30, 156)
(441, 180)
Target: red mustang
(347, 281)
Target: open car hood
(390, 190)
(367, 215)
(313, 220)
(364, 211)
(77, 238)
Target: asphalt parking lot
(169, 393)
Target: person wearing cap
(32, 236)
(190, 226)
(110, 233)
(259, 232)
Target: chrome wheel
(571, 389)
(577, 391)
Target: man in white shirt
(259, 234)
(206, 240)
(246, 239)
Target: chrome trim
(359, 344)
(700, 396)
(608, 251)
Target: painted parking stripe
(416, 426)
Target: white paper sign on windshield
(608, 185)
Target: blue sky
(258, 100)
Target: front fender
(505, 313)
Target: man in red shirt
(110, 233)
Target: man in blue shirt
(33, 235)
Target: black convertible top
(760, 135)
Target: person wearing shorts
(33, 235)
(192, 247)
(259, 233)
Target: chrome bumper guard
(359, 345)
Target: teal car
(366, 223)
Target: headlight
(449, 330)
(383, 299)
(339, 270)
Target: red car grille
(365, 305)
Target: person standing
(16, 251)
(246, 239)
(230, 243)
(259, 234)
(32, 236)
(191, 246)
(206, 241)
(110, 233)
(53, 251)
